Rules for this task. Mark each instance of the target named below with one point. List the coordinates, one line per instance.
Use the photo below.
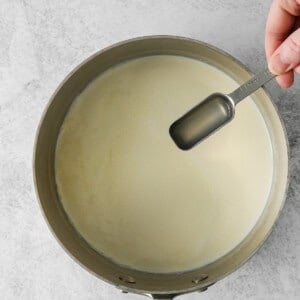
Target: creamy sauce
(133, 195)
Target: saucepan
(157, 286)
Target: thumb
(287, 56)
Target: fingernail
(277, 66)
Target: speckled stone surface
(40, 42)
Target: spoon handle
(251, 85)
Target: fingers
(279, 25)
(282, 41)
(286, 80)
(291, 6)
(287, 56)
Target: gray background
(40, 42)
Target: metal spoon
(213, 113)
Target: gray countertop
(40, 42)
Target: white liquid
(138, 199)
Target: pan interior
(136, 198)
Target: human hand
(282, 41)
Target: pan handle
(164, 297)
